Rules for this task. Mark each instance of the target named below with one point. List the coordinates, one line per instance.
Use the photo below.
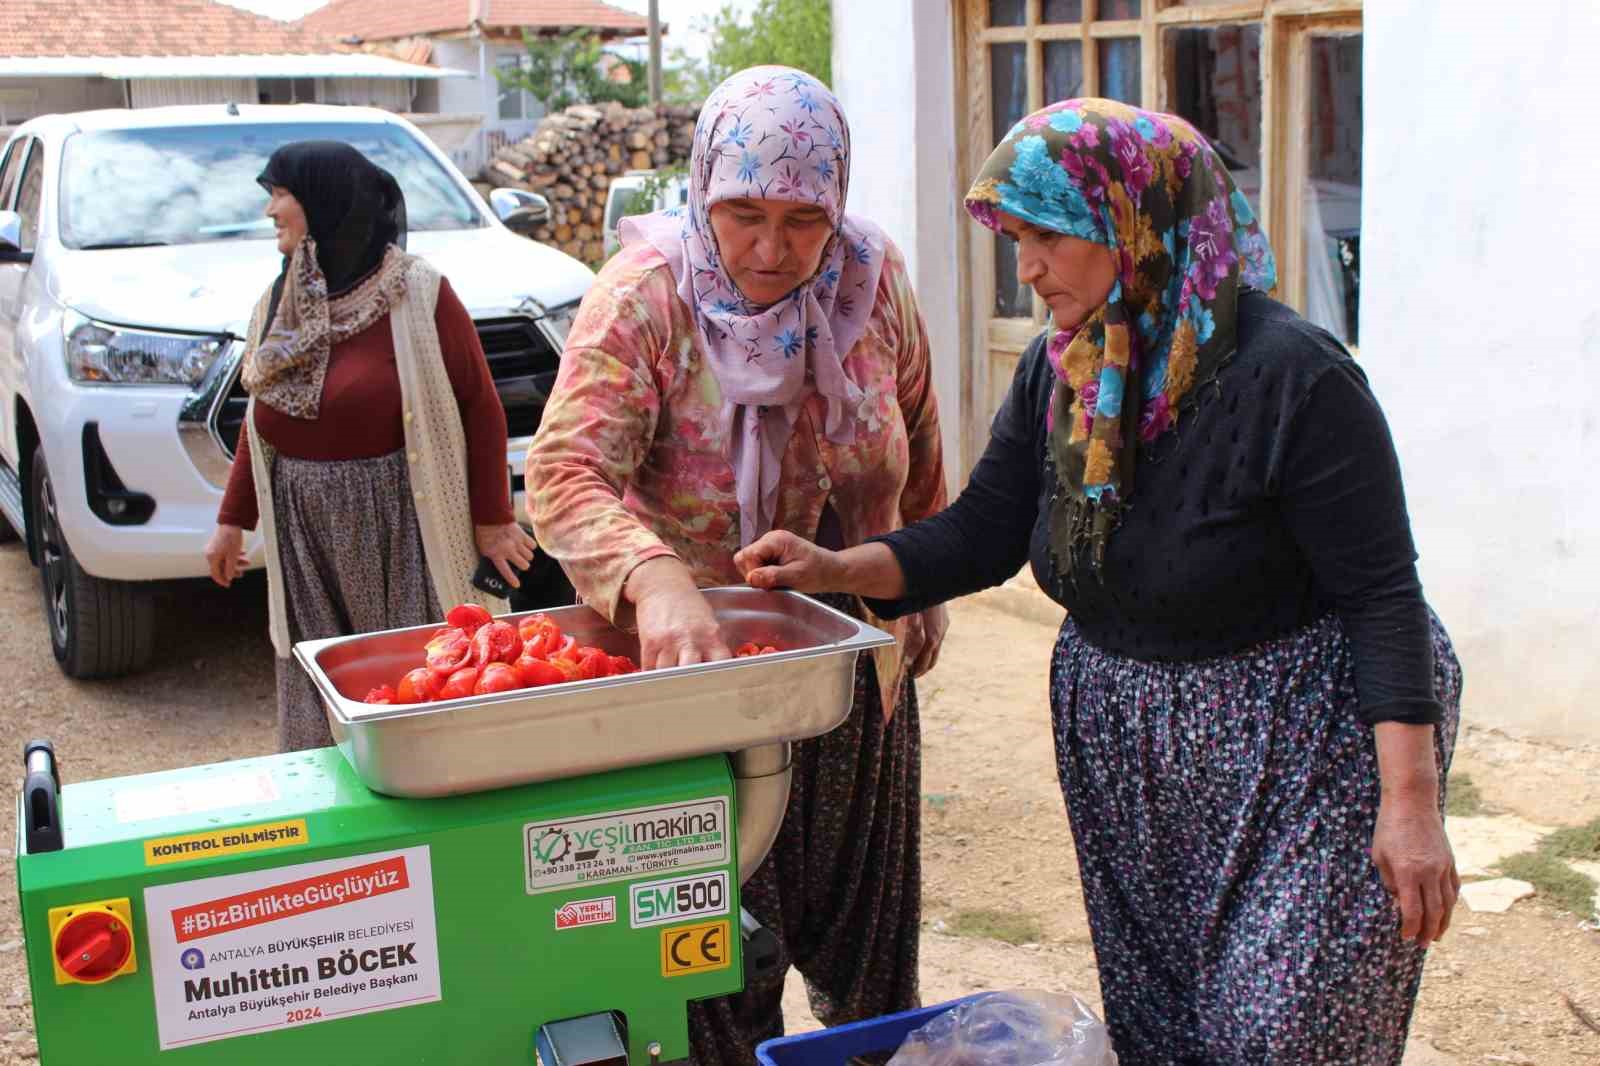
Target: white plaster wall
(1480, 329)
(893, 71)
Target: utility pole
(655, 51)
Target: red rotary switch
(93, 946)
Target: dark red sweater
(360, 416)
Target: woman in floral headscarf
(756, 362)
(1254, 707)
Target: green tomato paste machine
(548, 875)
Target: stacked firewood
(573, 156)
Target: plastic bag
(1011, 1029)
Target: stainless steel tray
(583, 727)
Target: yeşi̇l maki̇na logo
(551, 846)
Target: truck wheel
(7, 533)
(98, 628)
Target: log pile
(573, 156)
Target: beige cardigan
(436, 449)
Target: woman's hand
(1409, 845)
(925, 637)
(782, 560)
(507, 546)
(225, 554)
(676, 626)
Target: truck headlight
(115, 355)
(559, 321)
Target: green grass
(1462, 798)
(1007, 926)
(1556, 882)
(1574, 842)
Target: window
(514, 103)
(10, 167)
(30, 197)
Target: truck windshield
(186, 184)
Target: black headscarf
(354, 212)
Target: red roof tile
(32, 28)
(377, 20)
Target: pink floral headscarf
(771, 133)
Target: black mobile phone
(488, 579)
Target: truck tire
(7, 533)
(98, 628)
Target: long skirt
(842, 886)
(1222, 812)
(350, 551)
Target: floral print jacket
(630, 459)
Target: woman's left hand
(508, 546)
(924, 638)
(1414, 859)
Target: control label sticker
(622, 845)
(231, 841)
(291, 946)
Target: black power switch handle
(41, 798)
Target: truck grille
(522, 361)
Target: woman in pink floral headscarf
(756, 361)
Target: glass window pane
(1119, 69)
(1118, 9)
(1008, 85)
(1215, 82)
(1063, 10)
(1332, 206)
(1007, 12)
(1063, 70)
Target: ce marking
(698, 948)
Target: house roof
(90, 28)
(145, 68)
(379, 20)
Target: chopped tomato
(460, 683)
(750, 647)
(535, 671)
(540, 635)
(448, 651)
(621, 664)
(593, 663)
(568, 650)
(496, 677)
(418, 686)
(568, 668)
(381, 694)
(496, 642)
(467, 617)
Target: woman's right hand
(225, 554)
(676, 626)
(780, 559)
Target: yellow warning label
(232, 841)
(695, 948)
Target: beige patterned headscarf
(285, 366)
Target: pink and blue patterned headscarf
(1184, 242)
(771, 133)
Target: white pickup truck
(132, 250)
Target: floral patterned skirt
(1222, 812)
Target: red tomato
(381, 694)
(621, 664)
(746, 649)
(418, 686)
(593, 663)
(535, 671)
(459, 683)
(496, 677)
(568, 668)
(448, 651)
(540, 634)
(568, 650)
(467, 617)
(496, 642)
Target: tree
(793, 33)
(564, 69)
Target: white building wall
(1480, 329)
(893, 71)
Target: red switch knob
(93, 946)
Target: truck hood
(213, 287)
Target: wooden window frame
(1287, 27)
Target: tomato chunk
(496, 642)
(418, 686)
(496, 677)
(460, 683)
(448, 651)
(467, 617)
(535, 671)
(381, 694)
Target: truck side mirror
(11, 239)
(519, 207)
